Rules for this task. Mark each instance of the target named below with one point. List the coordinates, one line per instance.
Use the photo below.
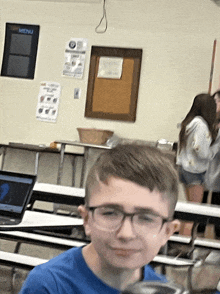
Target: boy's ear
(83, 211)
(171, 228)
(85, 216)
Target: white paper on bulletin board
(75, 53)
(110, 67)
(48, 101)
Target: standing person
(131, 193)
(212, 183)
(196, 148)
(212, 178)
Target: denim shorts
(191, 179)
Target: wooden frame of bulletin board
(114, 99)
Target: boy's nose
(126, 229)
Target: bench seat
(198, 242)
(19, 260)
(39, 239)
(29, 262)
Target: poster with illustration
(75, 53)
(48, 101)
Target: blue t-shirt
(68, 273)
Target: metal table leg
(190, 255)
(74, 163)
(85, 158)
(60, 168)
(3, 157)
(193, 238)
(36, 162)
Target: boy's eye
(109, 212)
(146, 218)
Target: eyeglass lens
(110, 219)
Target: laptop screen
(15, 192)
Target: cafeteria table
(38, 150)
(34, 220)
(198, 212)
(57, 194)
(86, 147)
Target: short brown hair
(144, 165)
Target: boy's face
(125, 248)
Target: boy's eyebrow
(136, 208)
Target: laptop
(15, 193)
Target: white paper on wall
(48, 101)
(75, 53)
(110, 67)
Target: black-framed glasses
(109, 218)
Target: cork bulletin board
(109, 98)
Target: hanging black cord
(103, 17)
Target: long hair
(203, 105)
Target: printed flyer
(48, 101)
(75, 54)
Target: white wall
(176, 37)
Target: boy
(131, 193)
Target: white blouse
(196, 155)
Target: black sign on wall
(20, 50)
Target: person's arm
(202, 141)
